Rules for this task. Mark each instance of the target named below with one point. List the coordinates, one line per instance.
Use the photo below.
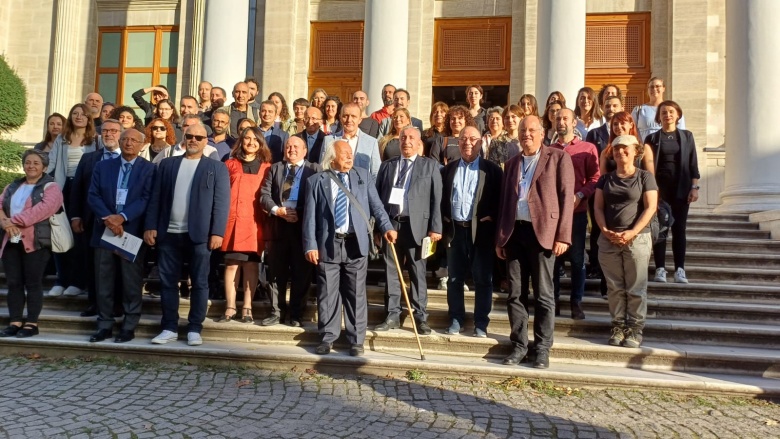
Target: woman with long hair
(159, 135)
(78, 138)
(331, 123)
(495, 128)
(446, 148)
(318, 97)
(474, 98)
(527, 103)
(556, 96)
(588, 110)
(437, 119)
(283, 118)
(54, 124)
(548, 122)
(166, 109)
(507, 145)
(622, 124)
(106, 110)
(645, 114)
(243, 242)
(127, 118)
(389, 145)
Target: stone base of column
(749, 199)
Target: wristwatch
(696, 186)
(580, 195)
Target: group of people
(307, 195)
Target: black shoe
(356, 350)
(27, 331)
(295, 323)
(516, 357)
(387, 325)
(117, 314)
(323, 348)
(542, 360)
(576, 311)
(10, 331)
(270, 321)
(557, 308)
(89, 312)
(124, 336)
(423, 328)
(100, 335)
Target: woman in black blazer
(677, 175)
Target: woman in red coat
(243, 243)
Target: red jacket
(244, 232)
(585, 159)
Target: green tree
(13, 98)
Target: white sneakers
(73, 291)
(679, 276)
(660, 275)
(194, 339)
(56, 291)
(165, 337)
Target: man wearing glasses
(312, 134)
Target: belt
(401, 219)
(462, 223)
(523, 223)
(345, 235)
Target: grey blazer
(366, 154)
(424, 194)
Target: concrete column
(224, 43)
(385, 47)
(560, 49)
(752, 93)
(68, 58)
(196, 52)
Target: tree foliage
(13, 98)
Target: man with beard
(220, 122)
(387, 99)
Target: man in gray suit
(410, 189)
(365, 150)
(336, 239)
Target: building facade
(64, 49)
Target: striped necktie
(342, 203)
(123, 185)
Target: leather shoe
(270, 321)
(576, 311)
(124, 336)
(295, 323)
(516, 357)
(387, 325)
(323, 349)
(89, 312)
(356, 350)
(100, 335)
(423, 328)
(542, 360)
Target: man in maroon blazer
(534, 226)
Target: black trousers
(287, 262)
(524, 248)
(679, 244)
(24, 271)
(109, 267)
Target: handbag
(61, 234)
(373, 250)
(661, 222)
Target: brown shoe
(576, 311)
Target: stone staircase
(718, 334)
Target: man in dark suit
(534, 226)
(118, 196)
(312, 135)
(275, 137)
(187, 217)
(336, 239)
(469, 209)
(282, 197)
(410, 189)
(81, 215)
(599, 137)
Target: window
(336, 58)
(132, 58)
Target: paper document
(126, 246)
(428, 248)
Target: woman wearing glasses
(160, 135)
(644, 114)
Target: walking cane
(406, 297)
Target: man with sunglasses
(179, 149)
(186, 219)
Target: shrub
(13, 98)
(11, 155)
(7, 177)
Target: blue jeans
(464, 256)
(173, 251)
(576, 255)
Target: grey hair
(44, 156)
(193, 116)
(495, 109)
(220, 111)
(124, 134)
(327, 158)
(121, 128)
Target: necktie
(288, 183)
(123, 185)
(399, 182)
(108, 155)
(341, 203)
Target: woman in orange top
(243, 243)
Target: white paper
(126, 246)
(397, 196)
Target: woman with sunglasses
(160, 135)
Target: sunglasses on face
(193, 136)
(158, 128)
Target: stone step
(707, 232)
(702, 292)
(696, 215)
(724, 225)
(597, 325)
(575, 363)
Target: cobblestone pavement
(78, 398)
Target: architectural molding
(137, 5)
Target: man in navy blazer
(80, 214)
(336, 239)
(275, 138)
(118, 196)
(365, 149)
(312, 134)
(187, 217)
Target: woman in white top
(644, 114)
(495, 128)
(588, 110)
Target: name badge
(121, 196)
(397, 196)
